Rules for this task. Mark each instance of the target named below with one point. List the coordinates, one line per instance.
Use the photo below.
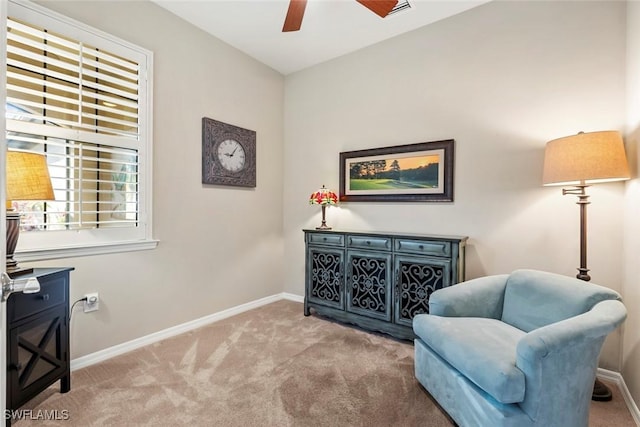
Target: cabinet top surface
(38, 272)
(461, 239)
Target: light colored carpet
(268, 367)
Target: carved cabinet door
(415, 280)
(369, 284)
(37, 355)
(325, 278)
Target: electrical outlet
(92, 302)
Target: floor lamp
(578, 161)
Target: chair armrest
(562, 357)
(482, 297)
(603, 318)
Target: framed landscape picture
(404, 173)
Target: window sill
(78, 251)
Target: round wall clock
(228, 154)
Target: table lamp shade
(323, 196)
(28, 177)
(585, 158)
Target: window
(82, 98)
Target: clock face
(231, 155)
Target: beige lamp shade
(28, 177)
(585, 158)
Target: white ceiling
(330, 28)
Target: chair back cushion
(534, 299)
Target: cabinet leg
(307, 311)
(65, 383)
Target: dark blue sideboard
(378, 281)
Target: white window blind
(81, 97)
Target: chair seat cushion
(483, 350)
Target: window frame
(50, 244)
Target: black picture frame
(376, 175)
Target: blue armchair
(515, 350)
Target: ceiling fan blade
(379, 7)
(293, 21)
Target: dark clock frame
(215, 132)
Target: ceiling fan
(293, 21)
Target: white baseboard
(616, 377)
(292, 297)
(119, 349)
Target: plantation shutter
(80, 105)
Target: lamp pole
(324, 225)
(601, 392)
(583, 201)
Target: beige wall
(219, 247)
(501, 79)
(631, 286)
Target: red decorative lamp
(323, 197)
